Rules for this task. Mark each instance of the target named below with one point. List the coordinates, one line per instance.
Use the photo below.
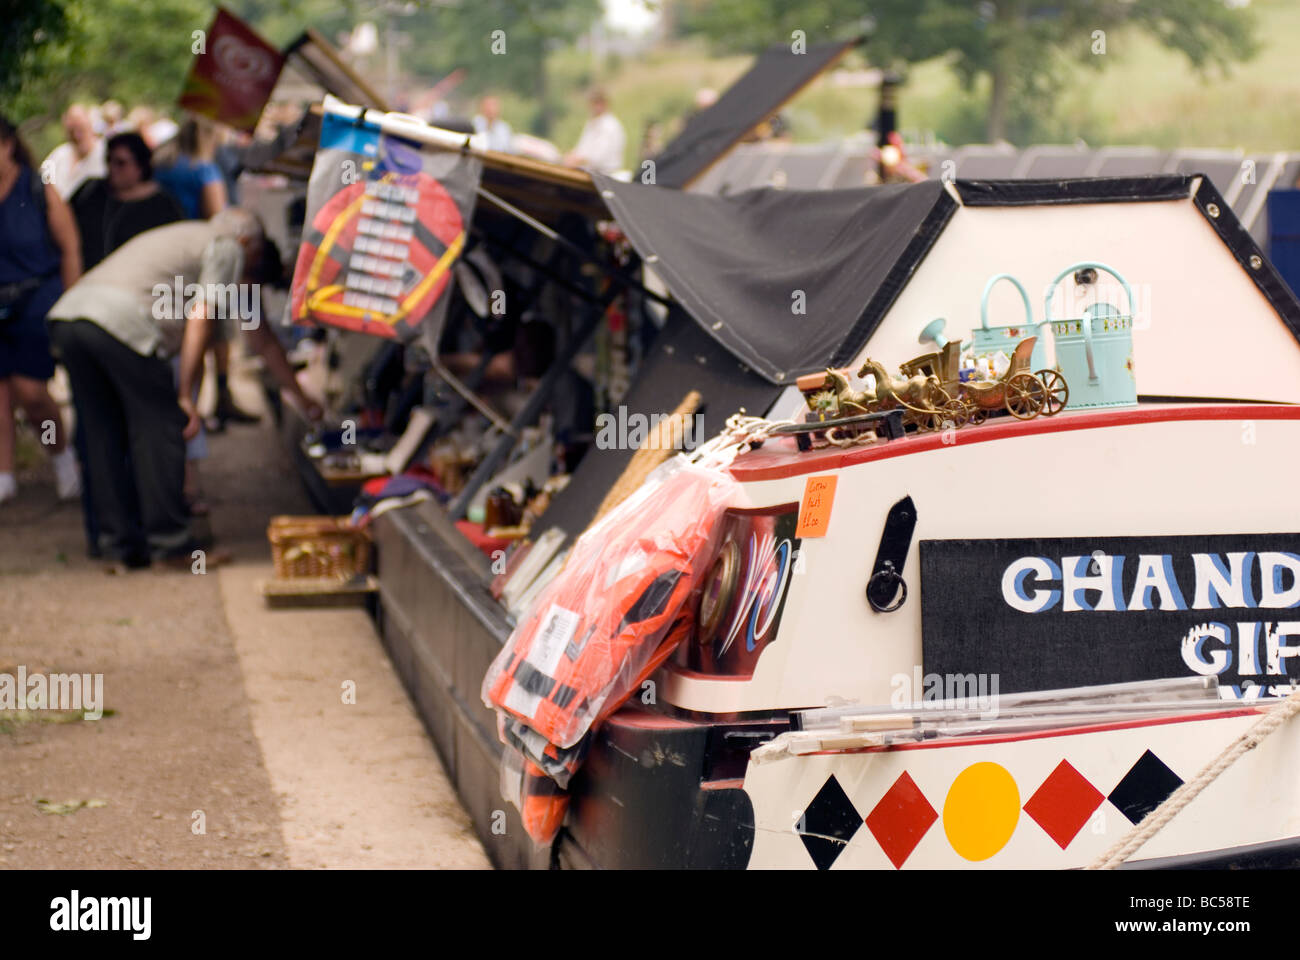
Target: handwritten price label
(815, 511)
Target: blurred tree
(501, 44)
(54, 51)
(35, 38)
(135, 51)
(280, 22)
(1019, 45)
(68, 49)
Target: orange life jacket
(587, 639)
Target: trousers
(135, 452)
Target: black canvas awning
(776, 76)
(786, 280)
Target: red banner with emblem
(233, 73)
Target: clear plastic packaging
(586, 640)
(542, 803)
(558, 763)
(561, 763)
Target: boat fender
(886, 580)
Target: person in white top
(111, 112)
(79, 159)
(601, 146)
(489, 123)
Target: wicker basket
(318, 548)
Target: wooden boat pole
(655, 449)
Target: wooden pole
(658, 447)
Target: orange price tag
(815, 511)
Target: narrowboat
(1036, 678)
(991, 628)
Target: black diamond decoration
(829, 823)
(1144, 787)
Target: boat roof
(743, 265)
(780, 458)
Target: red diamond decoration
(900, 820)
(1063, 804)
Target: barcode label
(557, 629)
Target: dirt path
(226, 743)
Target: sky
(630, 16)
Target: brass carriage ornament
(1022, 393)
(932, 395)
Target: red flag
(233, 74)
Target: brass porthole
(719, 588)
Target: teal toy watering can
(988, 340)
(1095, 351)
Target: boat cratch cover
(786, 280)
(775, 76)
(612, 615)
(385, 222)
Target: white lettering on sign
(1094, 582)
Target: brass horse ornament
(835, 396)
(916, 394)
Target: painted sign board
(1046, 614)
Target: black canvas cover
(776, 76)
(787, 280)
(683, 358)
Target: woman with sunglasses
(129, 201)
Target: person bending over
(115, 331)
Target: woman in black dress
(110, 212)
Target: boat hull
(1047, 800)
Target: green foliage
(1020, 47)
(280, 22)
(95, 49)
(134, 51)
(35, 33)
(1033, 57)
(139, 51)
(503, 45)
(736, 26)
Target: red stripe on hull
(1042, 734)
(778, 458)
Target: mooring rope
(1156, 820)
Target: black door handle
(886, 579)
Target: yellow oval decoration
(981, 811)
